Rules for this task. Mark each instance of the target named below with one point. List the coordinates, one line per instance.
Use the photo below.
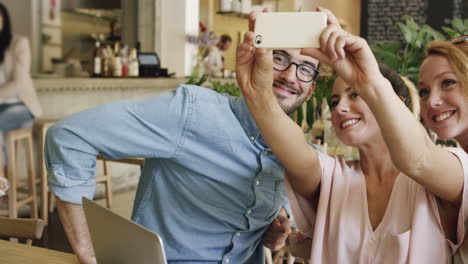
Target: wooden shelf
(233, 14)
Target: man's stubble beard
(291, 109)
(298, 103)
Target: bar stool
(46, 197)
(13, 140)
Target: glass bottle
(133, 66)
(97, 62)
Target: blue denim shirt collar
(240, 109)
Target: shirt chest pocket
(272, 195)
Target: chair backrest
(28, 229)
(300, 248)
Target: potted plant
(405, 57)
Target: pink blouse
(410, 231)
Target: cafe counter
(61, 97)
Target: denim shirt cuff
(73, 194)
(67, 189)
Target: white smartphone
(289, 30)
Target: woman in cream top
(19, 104)
(404, 201)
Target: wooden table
(11, 252)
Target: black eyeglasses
(304, 72)
(459, 40)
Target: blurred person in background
(19, 104)
(213, 60)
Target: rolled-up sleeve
(150, 128)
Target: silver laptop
(119, 240)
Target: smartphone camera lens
(258, 39)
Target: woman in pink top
(404, 201)
(443, 86)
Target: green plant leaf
(392, 60)
(457, 23)
(420, 39)
(193, 80)
(388, 53)
(407, 33)
(450, 32)
(202, 80)
(310, 113)
(431, 34)
(300, 116)
(409, 21)
(415, 57)
(227, 88)
(393, 46)
(438, 36)
(413, 70)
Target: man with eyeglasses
(293, 78)
(210, 187)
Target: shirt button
(265, 152)
(248, 212)
(237, 234)
(257, 183)
(226, 260)
(252, 138)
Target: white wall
(192, 11)
(163, 26)
(179, 18)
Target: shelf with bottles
(233, 14)
(242, 8)
(118, 61)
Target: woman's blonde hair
(414, 95)
(457, 56)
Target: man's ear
(311, 90)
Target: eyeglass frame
(459, 39)
(317, 71)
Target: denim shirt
(210, 186)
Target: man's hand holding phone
(254, 67)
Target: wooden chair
(299, 250)
(106, 178)
(13, 140)
(28, 229)
(46, 197)
(279, 257)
